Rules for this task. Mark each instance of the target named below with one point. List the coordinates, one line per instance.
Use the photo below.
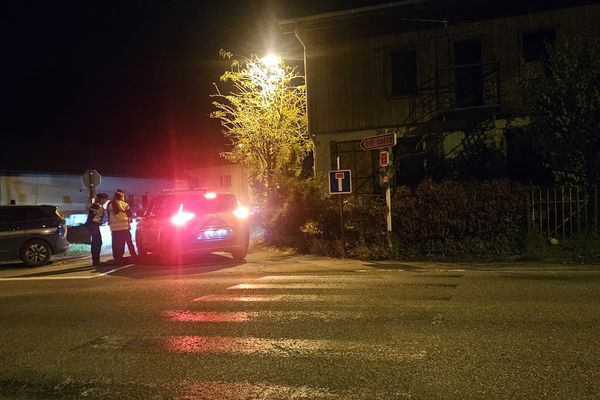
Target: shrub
(451, 218)
(442, 220)
(298, 202)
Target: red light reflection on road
(189, 316)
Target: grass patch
(584, 249)
(78, 250)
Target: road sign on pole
(384, 158)
(91, 179)
(378, 142)
(340, 181)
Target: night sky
(123, 87)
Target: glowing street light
(270, 60)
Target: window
(404, 72)
(168, 205)
(535, 42)
(225, 180)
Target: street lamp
(271, 61)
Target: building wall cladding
(224, 178)
(349, 75)
(349, 81)
(70, 194)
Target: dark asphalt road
(299, 328)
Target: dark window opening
(468, 73)
(535, 44)
(404, 72)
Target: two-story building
(440, 75)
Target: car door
(148, 230)
(11, 233)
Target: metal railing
(458, 88)
(562, 212)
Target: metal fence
(562, 212)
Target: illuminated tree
(263, 114)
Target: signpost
(378, 142)
(91, 179)
(384, 158)
(386, 142)
(340, 181)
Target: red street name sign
(384, 158)
(378, 142)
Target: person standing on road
(129, 241)
(119, 215)
(96, 217)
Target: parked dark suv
(31, 233)
(193, 221)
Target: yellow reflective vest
(119, 221)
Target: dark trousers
(130, 246)
(119, 238)
(96, 237)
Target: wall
(215, 180)
(348, 80)
(69, 193)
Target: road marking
(58, 278)
(273, 298)
(113, 270)
(317, 285)
(46, 278)
(410, 350)
(268, 390)
(339, 285)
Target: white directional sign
(340, 181)
(378, 142)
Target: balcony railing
(459, 88)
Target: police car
(180, 222)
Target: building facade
(440, 75)
(72, 196)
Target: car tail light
(241, 212)
(182, 217)
(210, 195)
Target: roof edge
(289, 25)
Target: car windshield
(166, 206)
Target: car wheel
(239, 254)
(35, 253)
(170, 254)
(141, 250)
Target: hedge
(435, 219)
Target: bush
(460, 219)
(298, 202)
(365, 228)
(308, 219)
(442, 220)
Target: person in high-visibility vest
(119, 217)
(95, 218)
